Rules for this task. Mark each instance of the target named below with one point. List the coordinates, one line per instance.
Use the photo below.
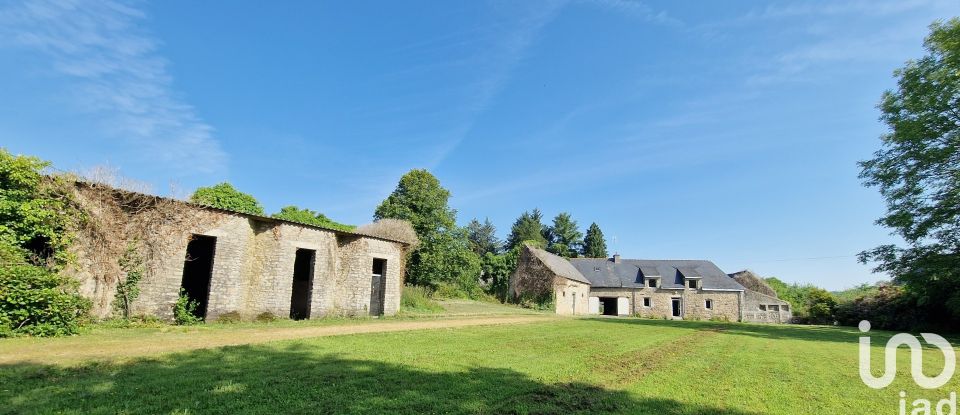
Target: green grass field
(553, 366)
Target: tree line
(471, 261)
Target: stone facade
(535, 280)
(572, 297)
(725, 305)
(253, 263)
(643, 288)
(761, 308)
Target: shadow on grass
(268, 380)
(838, 334)
(848, 335)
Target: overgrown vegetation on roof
(225, 196)
(310, 217)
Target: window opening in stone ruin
(198, 271)
(302, 284)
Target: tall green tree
(444, 255)
(225, 196)
(563, 237)
(594, 246)
(528, 228)
(917, 171)
(483, 237)
(445, 258)
(309, 217)
(420, 200)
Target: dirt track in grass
(120, 346)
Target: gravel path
(133, 343)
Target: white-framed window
(652, 283)
(692, 284)
(647, 302)
(708, 304)
(762, 307)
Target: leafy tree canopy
(528, 227)
(563, 237)
(309, 217)
(225, 196)
(483, 237)
(445, 258)
(594, 245)
(421, 200)
(35, 211)
(917, 171)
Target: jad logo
(920, 406)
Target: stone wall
(252, 267)
(726, 304)
(571, 296)
(753, 313)
(532, 279)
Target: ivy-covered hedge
(36, 218)
(36, 301)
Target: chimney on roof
(616, 258)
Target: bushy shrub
(420, 299)
(229, 318)
(184, 310)
(266, 317)
(39, 302)
(36, 212)
(890, 307)
(545, 302)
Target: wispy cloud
(637, 9)
(120, 75)
(515, 36)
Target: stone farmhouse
(229, 262)
(673, 289)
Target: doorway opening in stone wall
(378, 280)
(198, 271)
(677, 307)
(302, 284)
(608, 306)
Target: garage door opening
(302, 284)
(198, 270)
(608, 306)
(377, 285)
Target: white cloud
(120, 75)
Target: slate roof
(629, 273)
(558, 265)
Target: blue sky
(723, 131)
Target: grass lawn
(554, 366)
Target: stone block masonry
(253, 260)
